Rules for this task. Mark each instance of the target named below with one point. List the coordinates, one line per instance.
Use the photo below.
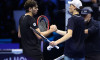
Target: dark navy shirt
(74, 47)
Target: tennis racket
(43, 23)
(49, 47)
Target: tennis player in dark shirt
(74, 36)
(29, 39)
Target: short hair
(80, 8)
(29, 3)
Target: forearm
(46, 33)
(19, 34)
(61, 32)
(64, 38)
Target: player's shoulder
(77, 16)
(28, 17)
(21, 18)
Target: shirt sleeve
(70, 24)
(33, 23)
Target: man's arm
(64, 38)
(67, 36)
(45, 33)
(19, 34)
(61, 32)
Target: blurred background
(55, 10)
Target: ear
(75, 8)
(30, 9)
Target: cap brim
(83, 13)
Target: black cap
(85, 11)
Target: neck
(75, 12)
(29, 13)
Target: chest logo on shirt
(34, 24)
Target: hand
(86, 31)
(53, 43)
(53, 28)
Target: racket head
(43, 23)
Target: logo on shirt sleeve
(34, 24)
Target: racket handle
(57, 47)
(50, 47)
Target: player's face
(72, 8)
(35, 10)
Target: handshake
(53, 28)
(52, 44)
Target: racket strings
(43, 24)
